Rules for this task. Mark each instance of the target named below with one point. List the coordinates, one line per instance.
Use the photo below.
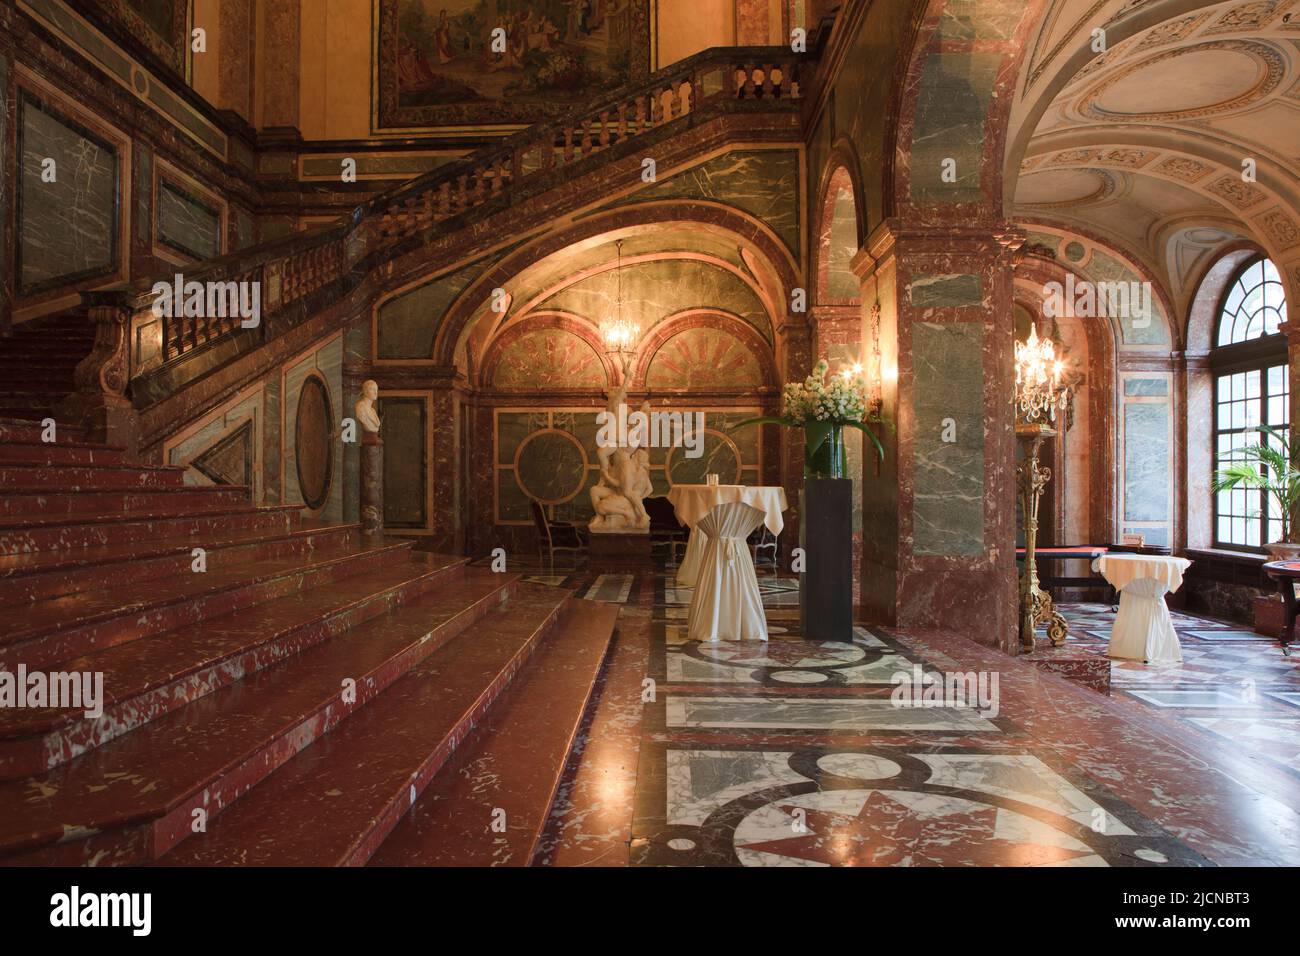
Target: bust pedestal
(372, 483)
(627, 549)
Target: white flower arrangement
(840, 401)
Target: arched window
(1251, 388)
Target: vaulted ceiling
(1141, 141)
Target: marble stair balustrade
(216, 683)
(530, 178)
(38, 360)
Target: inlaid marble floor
(793, 754)
(1232, 683)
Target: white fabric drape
(727, 605)
(1143, 629)
(693, 502)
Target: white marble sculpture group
(618, 498)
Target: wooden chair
(762, 539)
(555, 536)
(664, 526)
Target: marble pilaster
(938, 522)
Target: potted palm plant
(1267, 466)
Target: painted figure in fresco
(367, 417)
(442, 38)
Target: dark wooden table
(1284, 575)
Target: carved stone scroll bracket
(99, 405)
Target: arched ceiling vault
(1143, 143)
(666, 267)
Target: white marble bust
(365, 408)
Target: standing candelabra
(1039, 395)
(1035, 603)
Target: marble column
(939, 521)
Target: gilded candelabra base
(1035, 604)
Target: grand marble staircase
(286, 705)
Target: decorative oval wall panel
(313, 442)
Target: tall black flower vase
(826, 536)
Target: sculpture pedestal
(372, 483)
(623, 550)
(826, 536)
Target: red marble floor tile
(1232, 814)
(136, 796)
(335, 802)
(514, 763)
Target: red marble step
(37, 533)
(64, 453)
(26, 430)
(188, 498)
(515, 760)
(147, 679)
(335, 802)
(76, 624)
(89, 478)
(27, 578)
(134, 799)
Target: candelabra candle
(1039, 392)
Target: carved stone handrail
(291, 268)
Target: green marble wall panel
(405, 431)
(67, 229)
(1146, 386)
(211, 433)
(551, 454)
(764, 183)
(841, 282)
(408, 324)
(945, 291)
(653, 291)
(1137, 326)
(186, 222)
(1146, 461)
(948, 477)
(956, 89)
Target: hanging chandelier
(1039, 389)
(620, 335)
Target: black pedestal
(826, 536)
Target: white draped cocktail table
(693, 502)
(1143, 629)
